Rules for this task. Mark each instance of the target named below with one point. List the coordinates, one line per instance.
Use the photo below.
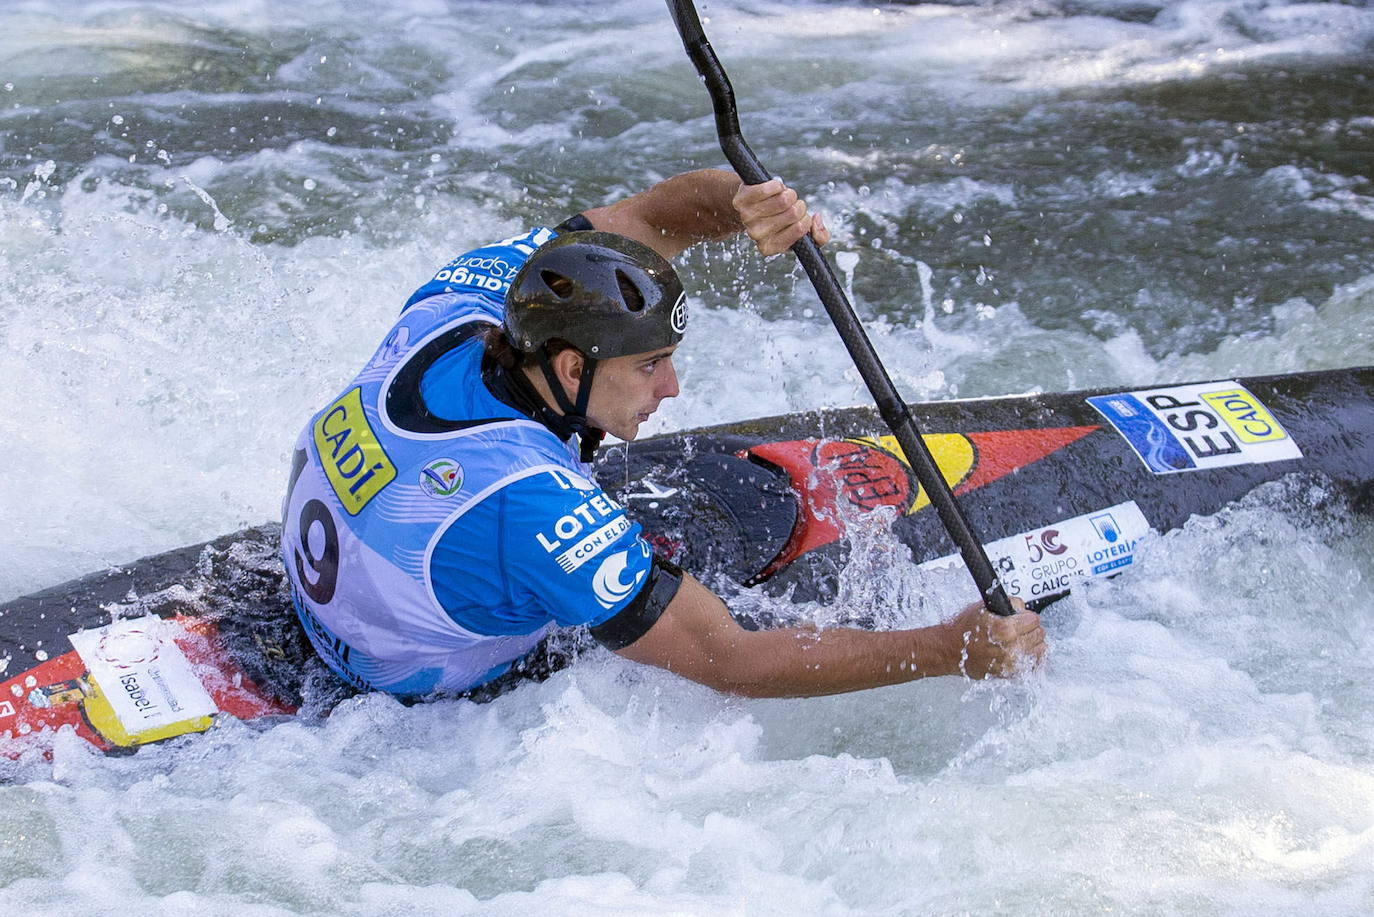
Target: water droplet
(117, 119)
(309, 184)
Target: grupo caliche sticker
(1047, 561)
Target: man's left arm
(710, 205)
(696, 637)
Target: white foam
(1199, 739)
(1175, 745)
(168, 369)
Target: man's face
(626, 390)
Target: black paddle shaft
(890, 405)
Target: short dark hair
(508, 356)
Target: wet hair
(505, 354)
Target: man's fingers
(767, 199)
(1033, 646)
(780, 231)
(998, 646)
(764, 226)
(1020, 636)
(779, 234)
(748, 193)
(780, 238)
(819, 231)
(775, 217)
(779, 205)
(1014, 628)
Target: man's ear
(567, 366)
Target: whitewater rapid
(208, 215)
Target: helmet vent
(634, 300)
(561, 286)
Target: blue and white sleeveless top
(433, 534)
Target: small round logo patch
(678, 317)
(441, 478)
(129, 647)
(394, 345)
(608, 583)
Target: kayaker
(442, 520)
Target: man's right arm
(698, 639)
(710, 204)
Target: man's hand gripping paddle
(890, 405)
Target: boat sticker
(6, 709)
(838, 477)
(1195, 427)
(1048, 561)
(145, 677)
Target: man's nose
(668, 388)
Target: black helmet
(605, 294)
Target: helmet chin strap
(575, 415)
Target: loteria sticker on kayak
(1188, 427)
(1058, 487)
